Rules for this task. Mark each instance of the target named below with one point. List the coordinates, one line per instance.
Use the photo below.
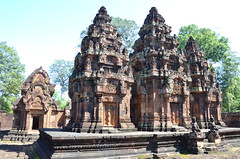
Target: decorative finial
(102, 10)
(153, 10)
(191, 39)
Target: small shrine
(36, 108)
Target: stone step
(209, 144)
(110, 130)
(210, 148)
(179, 128)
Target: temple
(157, 89)
(170, 86)
(100, 85)
(36, 108)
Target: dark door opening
(35, 124)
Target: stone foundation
(59, 144)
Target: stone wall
(231, 119)
(6, 120)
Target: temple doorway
(174, 113)
(35, 124)
(110, 115)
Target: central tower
(160, 95)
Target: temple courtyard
(155, 102)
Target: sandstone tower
(160, 96)
(166, 86)
(100, 85)
(206, 96)
(170, 86)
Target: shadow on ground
(18, 150)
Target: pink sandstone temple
(155, 88)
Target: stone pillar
(186, 111)
(168, 123)
(28, 118)
(219, 116)
(202, 107)
(141, 122)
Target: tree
(60, 100)
(11, 76)
(60, 71)
(212, 44)
(128, 29)
(228, 76)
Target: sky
(42, 31)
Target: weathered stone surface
(100, 85)
(91, 145)
(6, 120)
(195, 127)
(213, 135)
(170, 86)
(231, 119)
(36, 108)
(206, 97)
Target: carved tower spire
(161, 78)
(100, 84)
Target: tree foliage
(60, 100)
(128, 29)
(228, 76)
(212, 44)
(11, 76)
(60, 71)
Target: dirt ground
(233, 153)
(19, 150)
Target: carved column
(141, 123)
(168, 123)
(186, 111)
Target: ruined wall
(231, 119)
(6, 120)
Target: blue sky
(46, 30)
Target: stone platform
(59, 144)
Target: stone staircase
(21, 135)
(210, 147)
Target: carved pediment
(110, 88)
(37, 91)
(37, 103)
(177, 89)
